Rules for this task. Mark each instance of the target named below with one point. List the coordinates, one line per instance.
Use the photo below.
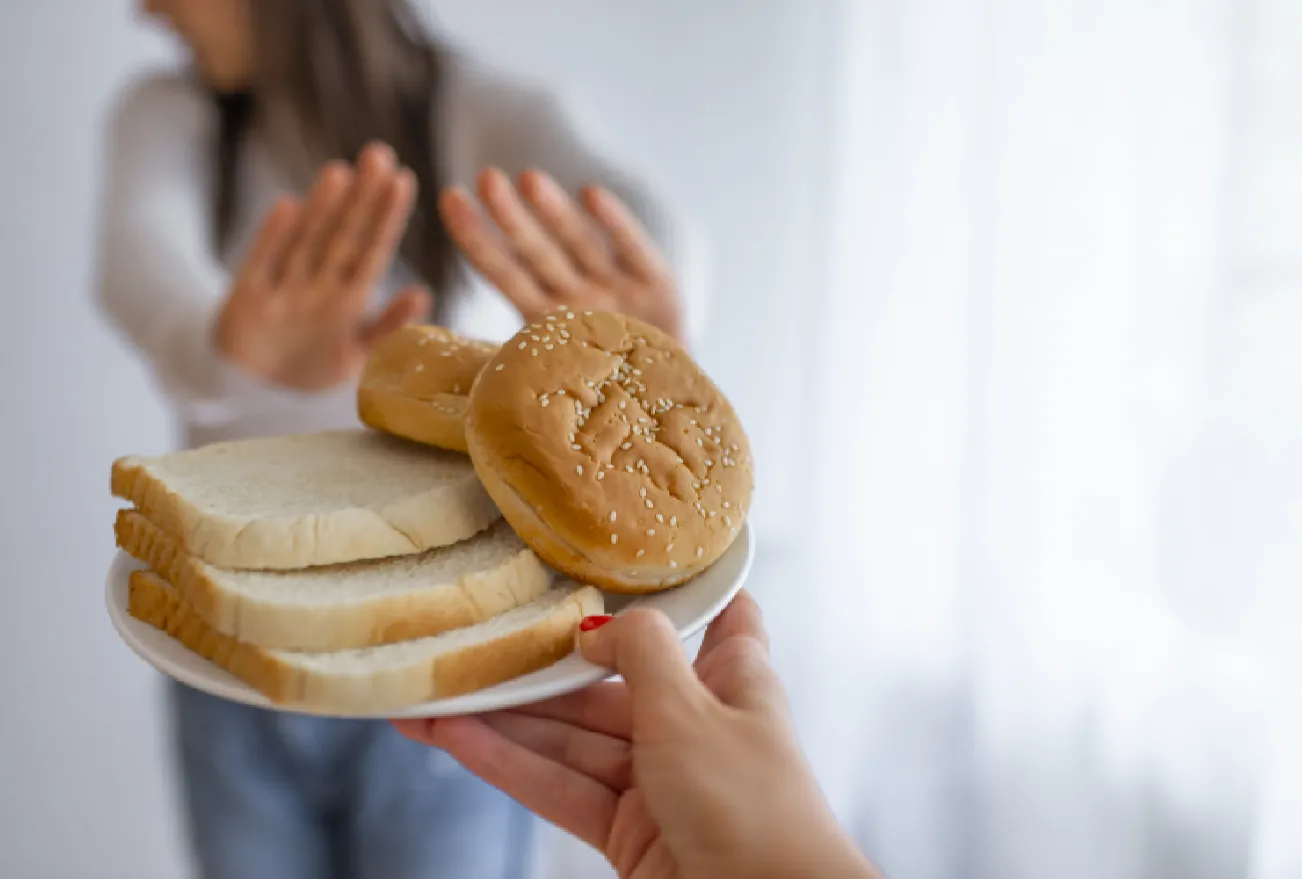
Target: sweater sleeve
(516, 126)
(159, 281)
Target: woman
(675, 772)
(266, 217)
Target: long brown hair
(334, 75)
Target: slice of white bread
(297, 501)
(360, 604)
(387, 678)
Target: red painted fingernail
(596, 622)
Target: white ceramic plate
(691, 607)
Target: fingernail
(594, 622)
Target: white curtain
(1060, 510)
(1053, 557)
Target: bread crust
(439, 515)
(363, 621)
(610, 451)
(277, 676)
(415, 384)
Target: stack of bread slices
(365, 570)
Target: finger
(568, 799)
(568, 224)
(538, 250)
(603, 708)
(331, 187)
(376, 167)
(742, 617)
(738, 672)
(600, 757)
(265, 263)
(384, 229)
(488, 255)
(633, 246)
(643, 646)
(408, 305)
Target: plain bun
(609, 451)
(415, 384)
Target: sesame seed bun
(609, 451)
(415, 385)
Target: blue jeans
(287, 796)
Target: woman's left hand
(547, 251)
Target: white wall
(706, 94)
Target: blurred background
(1007, 293)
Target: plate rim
(134, 634)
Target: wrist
(830, 854)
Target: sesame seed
(660, 517)
(626, 446)
(643, 489)
(649, 438)
(524, 345)
(669, 548)
(535, 352)
(712, 514)
(649, 504)
(614, 538)
(419, 367)
(499, 367)
(578, 469)
(700, 551)
(542, 401)
(612, 515)
(641, 552)
(726, 505)
(673, 564)
(535, 338)
(576, 447)
(673, 520)
(727, 520)
(601, 474)
(561, 392)
(548, 346)
(700, 442)
(570, 315)
(628, 468)
(650, 532)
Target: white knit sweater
(160, 283)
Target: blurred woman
(268, 214)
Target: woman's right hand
(678, 772)
(295, 315)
